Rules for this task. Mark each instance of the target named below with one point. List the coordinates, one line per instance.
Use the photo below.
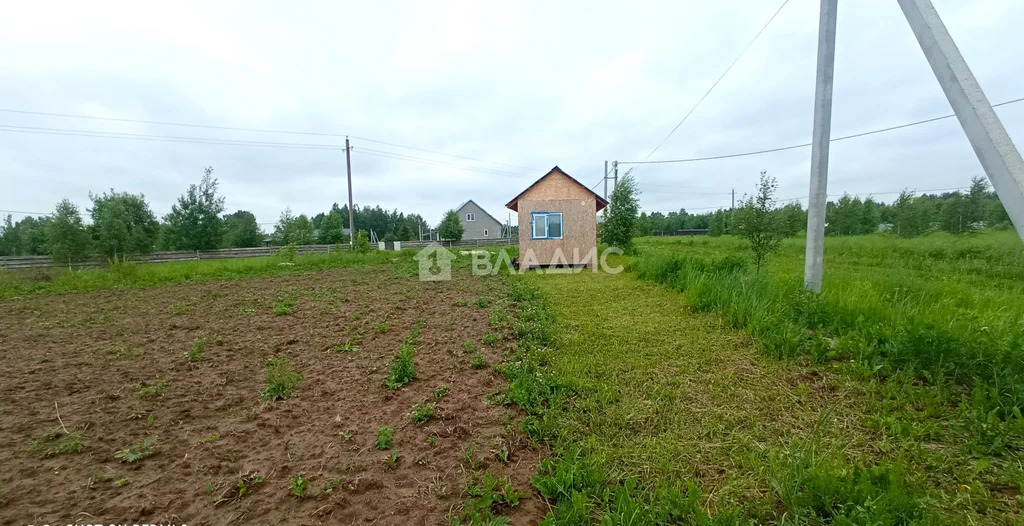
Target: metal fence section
(25, 262)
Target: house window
(547, 225)
(485, 232)
(470, 216)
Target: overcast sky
(523, 85)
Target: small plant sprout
(328, 486)
(299, 485)
(441, 392)
(481, 301)
(468, 346)
(121, 351)
(491, 338)
(195, 352)
(347, 435)
(477, 362)
(153, 390)
(383, 327)
(422, 413)
(383, 438)
(121, 482)
(350, 345)
(281, 379)
(391, 462)
(137, 451)
(432, 440)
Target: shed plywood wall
(579, 226)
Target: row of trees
(909, 215)
(123, 224)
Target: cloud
(524, 86)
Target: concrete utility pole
(995, 150)
(615, 166)
(351, 213)
(814, 257)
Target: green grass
(195, 352)
(282, 379)
(59, 281)
(660, 413)
(421, 413)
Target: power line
(867, 194)
(795, 146)
(720, 77)
(25, 213)
(256, 130)
(239, 142)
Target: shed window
(470, 216)
(547, 225)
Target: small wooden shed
(557, 221)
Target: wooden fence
(23, 262)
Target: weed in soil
(153, 390)
(299, 486)
(195, 352)
(468, 347)
(281, 379)
(402, 369)
(121, 351)
(422, 413)
(285, 303)
(383, 438)
(491, 339)
(478, 362)
(57, 442)
(137, 451)
(481, 302)
(441, 392)
(391, 462)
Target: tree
(67, 238)
(911, 216)
(241, 230)
(194, 222)
(757, 223)
(283, 227)
(332, 228)
(405, 233)
(450, 228)
(619, 226)
(301, 231)
(792, 219)
(122, 224)
(717, 223)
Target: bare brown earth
(90, 353)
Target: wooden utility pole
(351, 213)
(815, 253)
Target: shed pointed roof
(514, 203)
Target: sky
(449, 101)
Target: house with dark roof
(557, 221)
(477, 223)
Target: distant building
(557, 221)
(477, 223)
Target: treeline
(910, 215)
(123, 224)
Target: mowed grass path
(670, 396)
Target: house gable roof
(514, 203)
(463, 205)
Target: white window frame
(485, 233)
(543, 216)
(470, 216)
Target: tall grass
(943, 311)
(131, 275)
